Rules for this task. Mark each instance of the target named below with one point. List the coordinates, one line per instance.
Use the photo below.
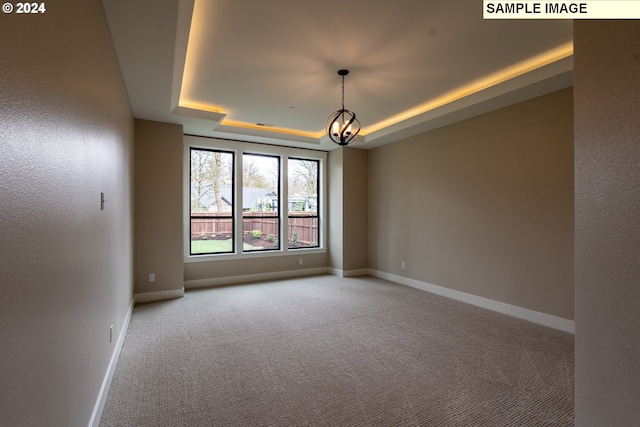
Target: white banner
(587, 9)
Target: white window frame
(239, 148)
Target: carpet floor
(329, 351)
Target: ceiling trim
(549, 78)
(544, 73)
(185, 12)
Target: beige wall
(348, 216)
(355, 209)
(158, 206)
(201, 272)
(483, 206)
(607, 198)
(336, 205)
(65, 265)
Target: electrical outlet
(403, 265)
(300, 261)
(152, 277)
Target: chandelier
(342, 126)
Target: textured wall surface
(355, 210)
(483, 206)
(336, 205)
(607, 203)
(348, 216)
(65, 265)
(158, 206)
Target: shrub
(256, 234)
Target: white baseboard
(158, 295)
(500, 307)
(230, 280)
(335, 272)
(356, 273)
(111, 369)
(348, 273)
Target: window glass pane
(260, 202)
(211, 204)
(302, 203)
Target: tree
(216, 174)
(210, 170)
(251, 174)
(305, 176)
(201, 184)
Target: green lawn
(212, 246)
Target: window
(260, 204)
(249, 200)
(303, 203)
(211, 208)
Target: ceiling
(266, 71)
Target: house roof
(250, 196)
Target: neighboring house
(252, 198)
(259, 199)
(303, 203)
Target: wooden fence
(210, 225)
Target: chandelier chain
(343, 92)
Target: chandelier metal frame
(342, 125)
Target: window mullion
(239, 219)
(284, 198)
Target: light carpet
(328, 351)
